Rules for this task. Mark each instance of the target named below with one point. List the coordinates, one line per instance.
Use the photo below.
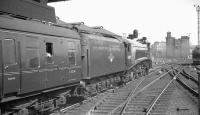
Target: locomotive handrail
(77, 23)
(97, 27)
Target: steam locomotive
(43, 61)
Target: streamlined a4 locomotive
(43, 61)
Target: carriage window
(32, 58)
(71, 54)
(49, 52)
(9, 53)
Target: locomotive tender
(43, 62)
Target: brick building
(177, 48)
(158, 49)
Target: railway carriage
(36, 59)
(32, 60)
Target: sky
(152, 18)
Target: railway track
(150, 100)
(155, 99)
(109, 101)
(190, 82)
(190, 85)
(191, 73)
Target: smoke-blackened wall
(177, 48)
(185, 46)
(170, 43)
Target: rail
(198, 68)
(154, 102)
(185, 85)
(132, 92)
(189, 77)
(124, 105)
(84, 101)
(194, 92)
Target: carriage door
(10, 66)
(74, 68)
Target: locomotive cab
(137, 55)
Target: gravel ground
(181, 104)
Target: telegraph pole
(198, 11)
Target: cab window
(71, 53)
(9, 52)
